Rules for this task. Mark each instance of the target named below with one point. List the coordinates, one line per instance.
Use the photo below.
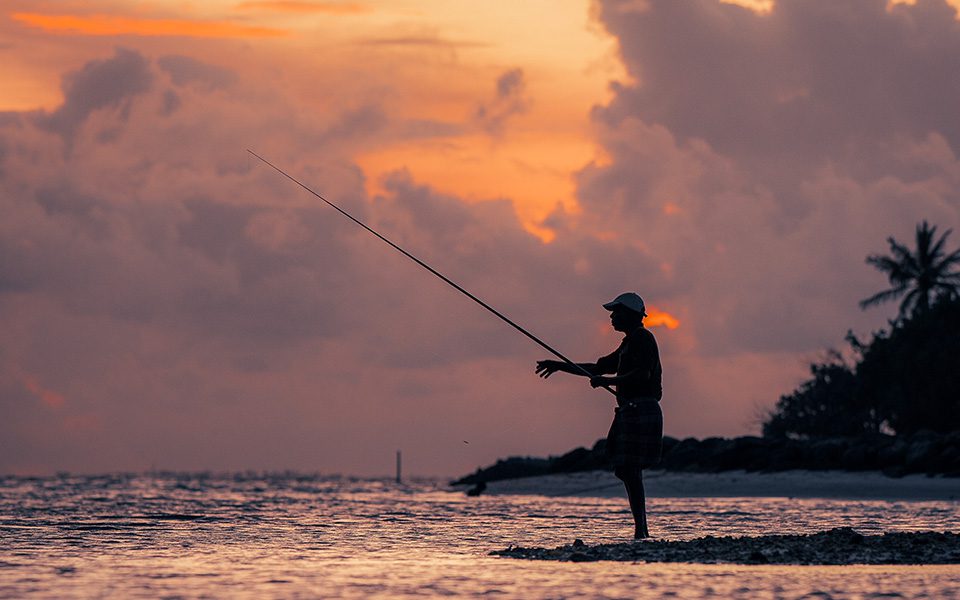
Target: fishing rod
(443, 277)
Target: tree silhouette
(920, 277)
(909, 375)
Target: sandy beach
(784, 484)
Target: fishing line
(444, 278)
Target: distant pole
(398, 466)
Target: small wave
(178, 517)
(100, 526)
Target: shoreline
(732, 484)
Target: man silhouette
(635, 439)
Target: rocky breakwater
(923, 452)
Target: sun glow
(659, 318)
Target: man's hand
(600, 381)
(546, 368)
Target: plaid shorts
(636, 435)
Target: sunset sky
(168, 302)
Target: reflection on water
(288, 536)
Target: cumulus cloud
(186, 70)
(808, 83)
(107, 83)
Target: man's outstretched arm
(604, 365)
(546, 368)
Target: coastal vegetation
(905, 379)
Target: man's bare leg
(632, 478)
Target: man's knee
(625, 473)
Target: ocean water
(294, 536)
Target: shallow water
(289, 536)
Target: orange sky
(469, 44)
(531, 163)
(113, 25)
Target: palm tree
(920, 277)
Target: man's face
(619, 318)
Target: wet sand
(841, 546)
(785, 484)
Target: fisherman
(636, 436)
(635, 439)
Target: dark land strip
(921, 453)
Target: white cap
(627, 300)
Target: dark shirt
(637, 353)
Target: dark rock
(600, 446)
(581, 557)
(572, 461)
(920, 454)
(949, 459)
(477, 489)
(859, 457)
(579, 459)
(895, 471)
(669, 443)
(826, 454)
(510, 468)
(683, 454)
(892, 454)
(783, 456)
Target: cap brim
(613, 305)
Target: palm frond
(920, 275)
(884, 296)
(894, 269)
(953, 257)
(910, 301)
(937, 248)
(903, 255)
(948, 288)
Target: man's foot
(641, 534)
